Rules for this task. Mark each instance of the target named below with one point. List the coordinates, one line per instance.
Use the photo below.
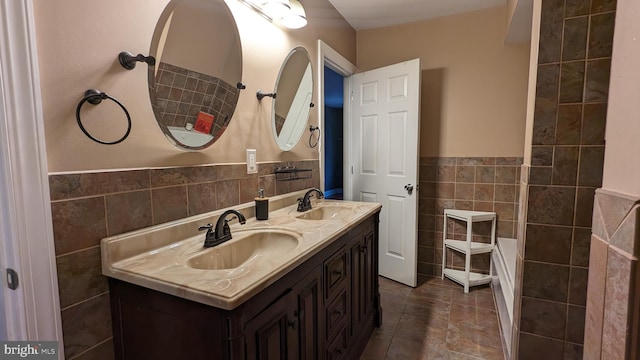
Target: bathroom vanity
(313, 298)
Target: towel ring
(95, 97)
(312, 130)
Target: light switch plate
(252, 166)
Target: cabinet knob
(364, 250)
(292, 324)
(338, 272)
(339, 312)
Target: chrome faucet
(222, 232)
(304, 203)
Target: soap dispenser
(262, 206)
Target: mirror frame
(276, 91)
(155, 43)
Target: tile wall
(613, 301)
(181, 93)
(574, 62)
(87, 207)
(464, 183)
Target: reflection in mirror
(292, 104)
(194, 85)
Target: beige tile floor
(435, 320)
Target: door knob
(409, 188)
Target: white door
(384, 123)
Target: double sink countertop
(171, 258)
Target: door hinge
(12, 279)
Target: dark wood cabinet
(335, 273)
(309, 310)
(365, 311)
(363, 258)
(339, 346)
(288, 328)
(273, 334)
(151, 325)
(325, 308)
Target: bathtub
(503, 284)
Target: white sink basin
(326, 212)
(244, 246)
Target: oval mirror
(195, 84)
(292, 104)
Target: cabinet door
(369, 254)
(362, 278)
(309, 295)
(272, 334)
(357, 284)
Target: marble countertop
(158, 257)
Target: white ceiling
(369, 14)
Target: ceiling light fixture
(288, 13)
(276, 9)
(296, 18)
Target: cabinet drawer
(335, 273)
(336, 314)
(337, 348)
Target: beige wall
(621, 164)
(78, 44)
(511, 10)
(474, 88)
(192, 27)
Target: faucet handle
(209, 238)
(301, 205)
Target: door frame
(329, 57)
(32, 312)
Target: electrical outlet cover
(252, 166)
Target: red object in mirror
(203, 122)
